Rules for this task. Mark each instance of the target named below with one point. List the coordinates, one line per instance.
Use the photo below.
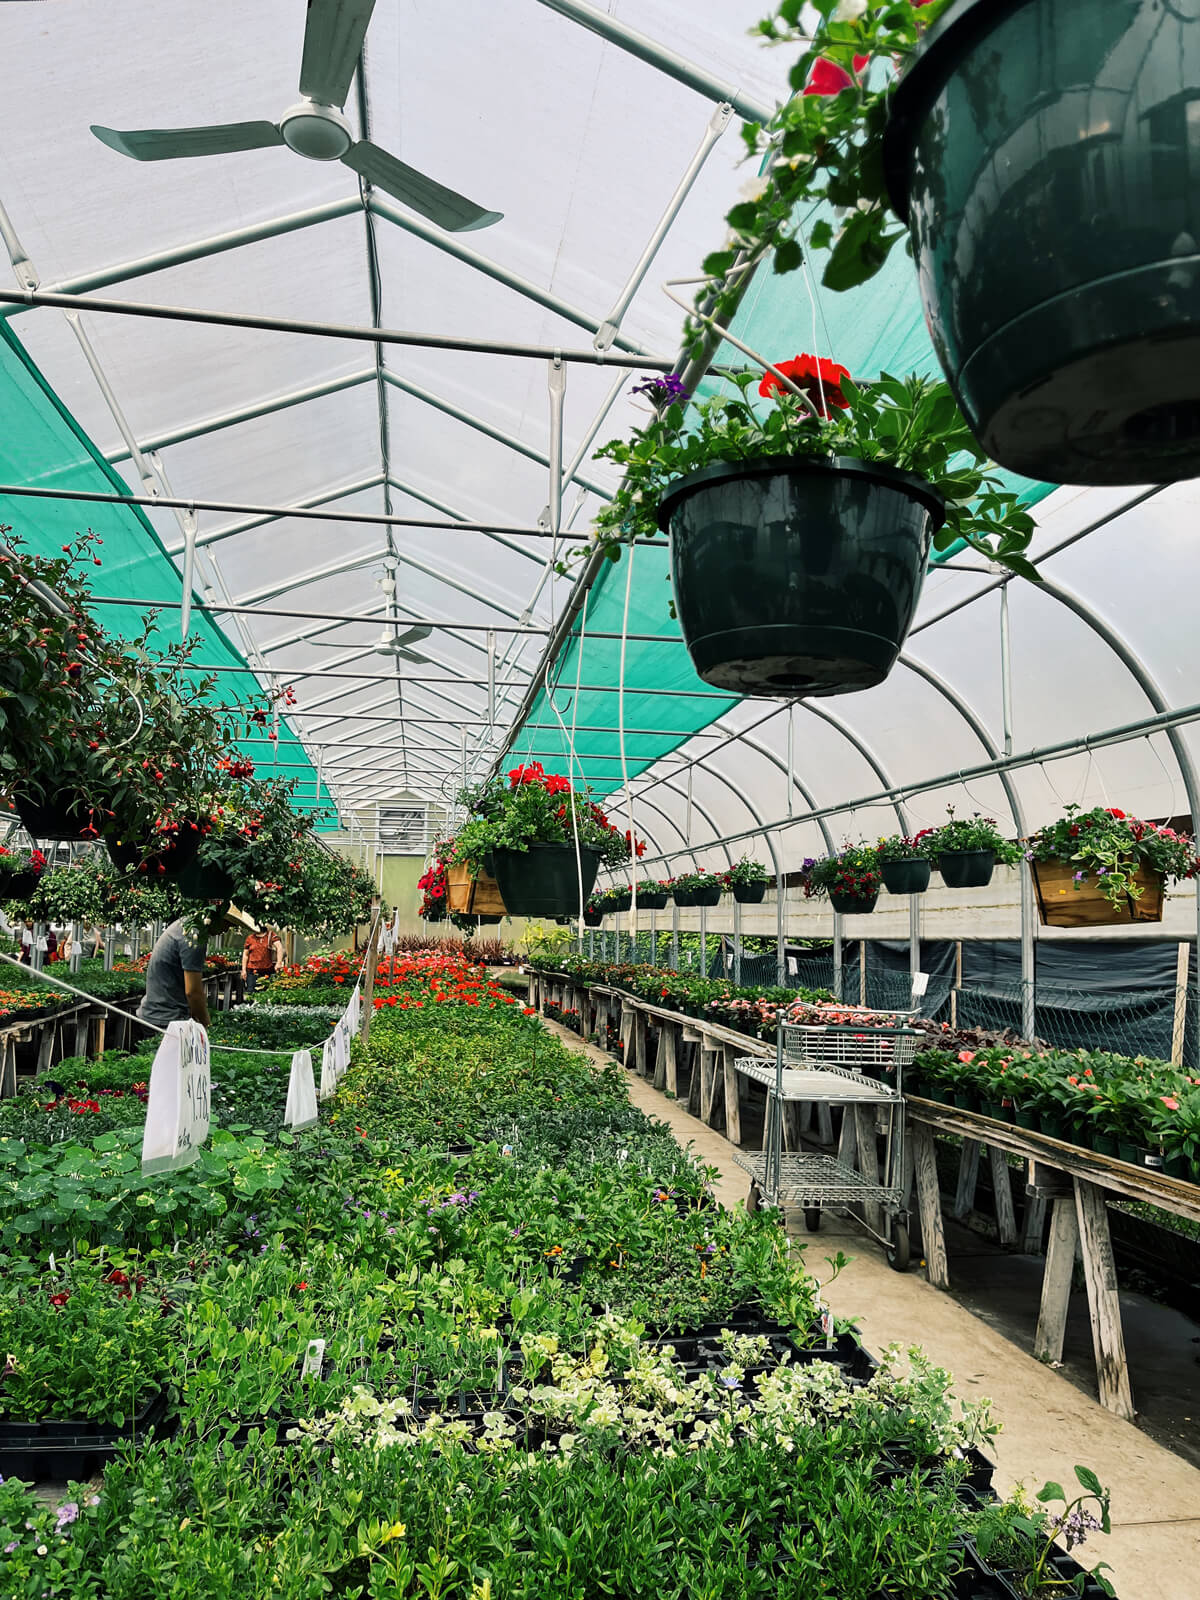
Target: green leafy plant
(746, 872)
(896, 847)
(534, 807)
(853, 872)
(971, 833)
(1107, 848)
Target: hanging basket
(593, 919)
(749, 894)
(852, 905)
(966, 869)
(18, 885)
(684, 897)
(202, 880)
(473, 896)
(65, 816)
(1042, 155)
(169, 862)
(795, 577)
(436, 914)
(708, 895)
(543, 881)
(905, 877)
(653, 902)
(620, 902)
(1062, 903)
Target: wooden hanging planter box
(479, 897)
(1062, 904)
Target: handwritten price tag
(177, 1106)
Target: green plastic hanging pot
(593, 919)
(202, 880)
(63, 815)
(966, 869)
(1043, 154)
(797, 576)
(684, 897)
(851, 905)
(749, 894)
(905, 877)
(168, 862)
(620, 902)
(19, 885)
(709, 894)
(543, 881)
(652, 902)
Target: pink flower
(966, 1055)
(1169, 1101)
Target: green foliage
(971, 833)
(1109, 849)
(853, 872)
(533, 807)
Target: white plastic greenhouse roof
(582, 142)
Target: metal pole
(914, 935)
(1028, 953)
(704, 941)
(737, 941)
(780, 928)
(674, 936)
(37, 956)
(76, 955)
(839, 976)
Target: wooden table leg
(825, 1124)
(45, 1055)
(733, 1104)
(665, 1072)
(1056, 1281)
(1104, 1306)
(929, 1205)
(968, 1177)
(639, 1043)
(708, 1085)
(694, 1085)
(1006, 1216)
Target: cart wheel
(812, 1218)
(898, 1254)
(754, 1198)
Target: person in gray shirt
(175, 980)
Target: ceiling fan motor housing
(319, 132)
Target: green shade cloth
(41, 445)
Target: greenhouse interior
(598, 881)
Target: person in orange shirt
(262, 954)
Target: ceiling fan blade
(169, 144)
(333, 36)
(413, 635)
(413, 655)
(442, 206)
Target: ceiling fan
(396, 644)
(316, 127)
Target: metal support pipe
(262, 515)
(780, 928)
(353, 331)
(611, 325)
(247, 413)
(658, 56)
(839, 974)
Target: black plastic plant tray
(977, 1581)
(32, 1452)
(1067, 1567)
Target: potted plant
(652, 895)
(593, 912)
(1073, 364)
(618, 899)
(78, 893)
(20, 872)
(966, 850)
(434, 884)
(1102, 866)
(546, 841)
(905, 863)
(700, 888)
(851, 879)
(800, 527)
(748, 880)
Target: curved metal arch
(977, 726)
(867, 754)
(696, 806)
(754, 812)
(805, 792)
(1144, 679)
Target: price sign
(301, 1110)
(177, 1106)
(329, 1075)
(341, 1042)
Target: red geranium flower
(828, 78)
(820, 381)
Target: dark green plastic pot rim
(878, 472)
(957, 30)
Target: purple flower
(663, 389)
(67, 1513)
(728, 1381)
(9, 1548)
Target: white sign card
(301, 1109)
(328, 1069)
(341, 1040)
(177, 1107)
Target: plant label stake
(314, 1359)
(825, 1323)
(328, 1069)
(301, 1111)
(177, 1109)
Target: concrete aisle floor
(1048, 1424)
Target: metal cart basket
(846, 1064)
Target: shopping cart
(852, 1065)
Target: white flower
(849, 10)
(755, 188)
